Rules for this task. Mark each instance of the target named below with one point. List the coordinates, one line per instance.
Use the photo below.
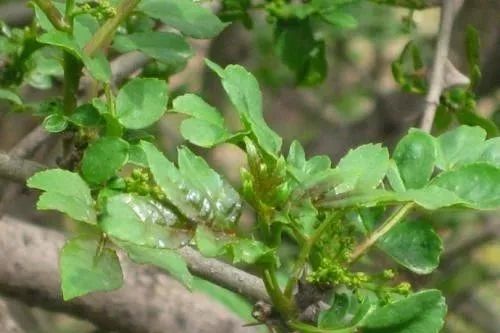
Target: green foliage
(314, 217)
(346, 311)
(415, 157)
(414, 245)
(195, 189)
(418, 313)
(55, 123)
(87, 267)
(184, 15)
(165, 259)
(243, 91)
(308, 61)
(408, 69)
(142, 221)
(477, 184)
(296, 34)
(103, 158)
(141, 102)
(206, 127)
(10, 96)
(473, 46)
(66, 192)
(362, 168)
(459, 146)
(166, 47)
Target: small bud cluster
(101, 10)
(139, 182)
(331, 273)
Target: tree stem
(72, 72)
(70, 4)
(448, 12)
(105, 33)
(284, 306)
(52, 14)
(304, 255)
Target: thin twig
(393, 220)
(449, 11)
(31, 141)
(224, 275)
(107, 30)
(52, 14)
(17, 169)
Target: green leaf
(305, 170)
(165, 259)
(346, 311)
(422, 312)
(207, 127)
(86, 115)
(363, 168)
(317, 164)
(208, 243)
(55, 123)
(103, 158)
(113, 127)
(170, 181)
(339, 18)
(166, 47)
(66, 192)
(477, 184)
(491, 152)
(142, 221)
(195, 189)
(98, 66)
(301, 51)
(137, 156)
(243, 90)
(233, 10)
(42, 19)
(85, 269)
(459, 146)
(471, 118)
(415, 245)
(394, 177)
(407, 69)
(202, 133)
(218, 202)
(296, 155)
(141, 102)
(249, 251)
(431, 197)
(472, 46)
(84, 28)
(415, 155)
(189, 17)
(10, 96)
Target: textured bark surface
(149, 302)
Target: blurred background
(358, 102)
